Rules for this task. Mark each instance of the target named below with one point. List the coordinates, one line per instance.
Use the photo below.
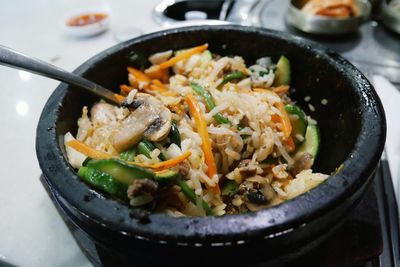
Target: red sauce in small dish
(86, 19)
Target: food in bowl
(332, 8)
(199, 134)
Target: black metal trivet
(369, 237)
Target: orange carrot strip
(286, 125)
(157, 88)
(133, 81)
(158, 82)
(290, 144)
(184, 55)
(164, 164)
(96, 154)
(155, 72)
(277, 90)
(87, 150)
(265, 90)
(165, 76)
(170, 93)
(125, 88)
(281, 89)
(275, 118)
(140, 76)
(283, 118)
(197, 114)
(119, 97)
(177, 108)
(261, 90)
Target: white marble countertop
(32, 233)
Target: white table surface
(32, 233)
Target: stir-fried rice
(256, 154)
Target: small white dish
(87, 23)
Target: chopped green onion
(174, 134)
(191, 195)
(232, 76)
(209, 102)
(145, 147)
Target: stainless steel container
(205, 12)
(325, 25)
(391, 15)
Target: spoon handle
(14, 59)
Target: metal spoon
(14, 59)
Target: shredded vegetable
(196, 134)
(285, 121)
(95, 154)
(184, 55)
(209, 102)
(164, 164)
(196, 113)
(87, 150)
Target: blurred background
(58, 32)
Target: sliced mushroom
(160, 128)
(255, 196)
(258, 193)
(131, 129)
(247, 168)
(150, 119)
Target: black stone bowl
(352, 127)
